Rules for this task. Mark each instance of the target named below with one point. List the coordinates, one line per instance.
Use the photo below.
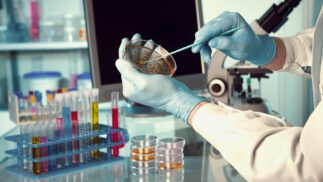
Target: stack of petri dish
(143, 154)
(170, 153)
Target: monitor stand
(134, 109)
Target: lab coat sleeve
(299, 53)
(262, 147)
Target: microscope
(225, 85)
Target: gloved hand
(159, 91)
(242, 44)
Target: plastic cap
(19, 95)
(74, 95)
(50, 97)
(64, 90)
(59, 98)
(38, 96)
(32, 99)
(95, 91)
(86, 92)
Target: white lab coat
(262, 147)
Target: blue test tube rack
(105, 157)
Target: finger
(211, 31)
(128, 87)
(122, 47)
(197, 48)
(145, 53)
(221, 43)
(135, 37)
(152, 66)
(206, 54)
(127, 70)
(135, 51)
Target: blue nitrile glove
(243, 44)
(158, 91)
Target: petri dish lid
(143, 157)
(143, 150)
(171, 143)
(144, 141)
(170, 160)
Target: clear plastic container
(144, 141)
(171, 143)
(140, 53)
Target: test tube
(51, 130)
(67, 125)
(43, 139)
(87, 120)
(115, 120)
(36, 141)
(60, 128)
(95, 119)
(75, 125)
(32, 100)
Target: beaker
(142, 55)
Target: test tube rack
(15, 114)
(105, 157)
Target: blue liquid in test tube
(68, 126)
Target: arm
(261, 147)
(293, 54)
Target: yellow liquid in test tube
(36, 155)
(95, 126)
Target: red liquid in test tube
(75, 132)
(115, 121)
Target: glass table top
(201, 162)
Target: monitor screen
(171, 24)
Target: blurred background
(51, 51)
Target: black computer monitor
(170, 23)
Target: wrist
(280, 57)
(182, 104)
(268, 52)
(192, 114)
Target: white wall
(286, 93)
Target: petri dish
(169, 152)
(171, 165)
(171, 159)
(144, 141)
(171, 143)
(143, 157)
(143, 164)
(143, 150)
(143, 171)
(139, 53)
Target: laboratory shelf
(43, 46)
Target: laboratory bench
(201, 162)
